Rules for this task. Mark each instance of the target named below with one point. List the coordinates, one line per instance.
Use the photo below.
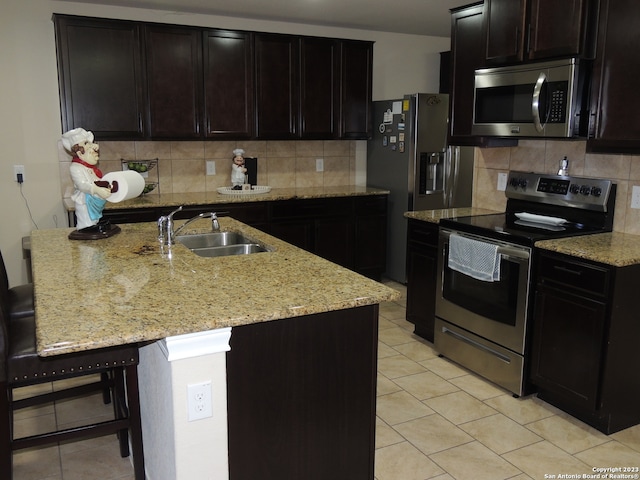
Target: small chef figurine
(91, 193)
(238, 170)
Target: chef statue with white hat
(91, 193)
(238, 170)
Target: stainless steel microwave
(545, 99)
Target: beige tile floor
(435, 420)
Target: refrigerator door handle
(452, 174)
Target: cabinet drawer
(374, 205)
(325, 207)
(422, 233)
(577, 275)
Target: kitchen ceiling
(419, 17)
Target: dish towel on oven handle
(479, 260)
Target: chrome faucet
(165, 227)
(215, 226)
(167, 235)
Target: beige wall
(544, 156)
(30, 113)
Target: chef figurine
(238, 170)
(91, 193)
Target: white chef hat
(238, 151)
(75, 137)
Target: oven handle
(477, 345)
(507, 252)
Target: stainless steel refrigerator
(409, 156)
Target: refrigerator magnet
(385, 141)
(401, 147)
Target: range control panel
(590, 193)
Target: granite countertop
(206, 198)
(434, 216)
(614, 248)
(127, 288)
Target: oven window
(497, 301)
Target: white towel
(477, 259)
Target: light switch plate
(319, 164)
(211, 167)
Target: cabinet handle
(568, 270)
(516, 40)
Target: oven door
(497, 310)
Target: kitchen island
(303, 342)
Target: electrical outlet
(211, 167)
(199, 401)
(502, 182)
(319, 165)
(18, 170)
(635, 197)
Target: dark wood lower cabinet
(422, 262)
(585, 340)
(301, 397)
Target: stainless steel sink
(220, 244)
(239, 249)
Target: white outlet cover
(635, 197)
(211, 167)
(319, 164)
(199, 401)
(502, 182)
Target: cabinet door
(467, 54)
(422, 263)
(333, 240)
(105, 97)
(277, 102)
(557, 28)
(505, 30)
(228, 84)
(356, 72)
(319, 88)
(174, 72)
(568, 342)
(615, 125)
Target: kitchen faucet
(166, 234)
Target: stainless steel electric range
(485, 285)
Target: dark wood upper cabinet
(319, 88)
(467, 54)
(174, 72)
(521, 30)
(131, 80)
(504, 30)
(277, 106)
(101, 76)
(615, 125)
(228, 84)
(356, 83)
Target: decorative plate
(256, 189)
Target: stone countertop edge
(129, 289)
(211, 198)
(434, 216)
(614, 248)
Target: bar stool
(21, 366)
(19, 298)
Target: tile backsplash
(544, 156)
(182, 165)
